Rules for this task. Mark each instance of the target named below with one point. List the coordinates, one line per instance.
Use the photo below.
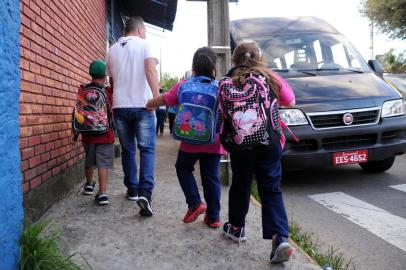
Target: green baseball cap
(97, 69)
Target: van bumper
(316, 147)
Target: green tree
(393, 63)
(168, 80)
(388, 15)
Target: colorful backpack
(91, 114)
(196, 120)
(250, 112)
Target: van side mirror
(376, 66)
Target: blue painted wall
(11, 209)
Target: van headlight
(393, 108)
(293, 117)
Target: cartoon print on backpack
(196, 121)
(250, 111)
(192, 127)
(91, 115)
(200, 126)
(184, 125)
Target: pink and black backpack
(250, 112)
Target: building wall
(59, 39)
(10, 177)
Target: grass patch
(254, 191)
(333, 257)
(41, 252)
(304, 240)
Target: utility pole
(372, 39)
(218, 29)
(160, 63)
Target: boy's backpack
(91, 114)
(196, 120)
(250, 112)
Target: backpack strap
(75, 134)
(284, 126)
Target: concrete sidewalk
(117, 237)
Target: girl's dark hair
(204, 62)
(248, 53)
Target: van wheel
(378, 166)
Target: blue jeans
(136, 127)
(265, 162)
(209, 172)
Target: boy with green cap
(99, 148)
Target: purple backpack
(250, 112)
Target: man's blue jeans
(136, 127)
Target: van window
(310, 51)
(290, 58)
(317, 51)
(339, 55)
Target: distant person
(131, 64)
(256, 138)
(99, 148)
(204, 62)
(171, 116)
(160, 115)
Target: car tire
(378, 166)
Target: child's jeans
(265, 163)
(209, 172)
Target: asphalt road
(364, 215)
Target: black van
(345, 113)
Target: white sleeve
(151, 52)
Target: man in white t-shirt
(131, 65)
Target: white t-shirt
(125, 64)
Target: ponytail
(249, 56)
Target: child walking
(99, 149)
(264, 161)
(204, 62)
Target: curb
(258, 204)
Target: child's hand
(150, 106)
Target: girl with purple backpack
(263, 160)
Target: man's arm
(152, 75)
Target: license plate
(343, 158)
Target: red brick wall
(58, 41)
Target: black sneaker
(144, 213)
(102, 199)
(234, 233)
(132, 195)
(281, 250)
(145, 205)
(88, 188)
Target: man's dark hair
(133, 23)
(204, 62)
